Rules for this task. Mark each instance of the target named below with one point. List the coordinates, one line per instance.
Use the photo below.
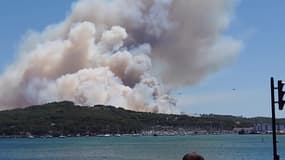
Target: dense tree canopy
(65, 118)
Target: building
(266, 127)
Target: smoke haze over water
(127, 53)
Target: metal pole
(275, 155)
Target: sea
(212, 147)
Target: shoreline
(121, 135)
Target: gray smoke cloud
(127, 53)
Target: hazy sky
(258, 23)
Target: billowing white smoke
(127, 53)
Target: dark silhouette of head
(192, 156)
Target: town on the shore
(164, 131)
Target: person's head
(192, 156)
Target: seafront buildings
(267, 128)
(260, 128)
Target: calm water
(222, 147)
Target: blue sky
(260, 24)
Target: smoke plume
(127, 53)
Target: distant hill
(65, 118)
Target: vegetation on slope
(65, 118)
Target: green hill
(65, 118)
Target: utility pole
(280, 103)
(275, 155)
